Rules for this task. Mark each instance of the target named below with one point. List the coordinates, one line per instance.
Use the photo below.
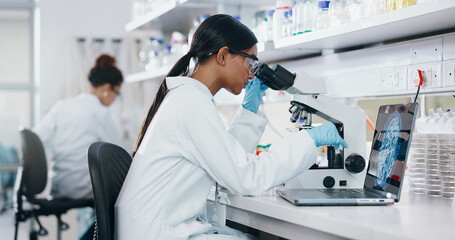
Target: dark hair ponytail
(214, 33)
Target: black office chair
(31, 180)
(108, 164)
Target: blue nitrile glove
(326, 135)
(253, 94)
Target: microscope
(345, 168)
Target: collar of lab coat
(174, 82)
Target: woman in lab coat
(183, 147)
(73, 124)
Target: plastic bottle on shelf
(258, 26)
(338, 12)
(287, 22)
(298, 12)
(167, 58)
(323, 18)
(268, 22)
(398, 4)
(373, 7)
(152, 57)
(310, 15)
(144, 54)
(158, 47)
(408, 3)
(391, 5)
(278, 16)
(137, 8)
(148, 6)
(136, 58)
(291, 19)
(196, 23)
(179, 45)
(356, 8)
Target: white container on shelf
(278, 16)
(310, 15)
(298, 17)
(323, 17)
(373, 7)
(339, 12)
(356, 9)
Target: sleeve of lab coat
(108, 131)
(227, 162)
(46, 127)
(247, 123)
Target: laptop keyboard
(344, 193)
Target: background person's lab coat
(68, 130)
(185, 150)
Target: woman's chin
(234, 91)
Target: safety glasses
(250, 62)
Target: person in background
(73, 124)
(184, 148)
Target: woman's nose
(251, 76)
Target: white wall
(61, 23)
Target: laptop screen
(390, 145)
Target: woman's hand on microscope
(253, 95)
(327, 135)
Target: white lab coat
(185, 150)
(67, 130)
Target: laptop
(387, 164)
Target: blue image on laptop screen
(390, 147)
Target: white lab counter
(414, 217)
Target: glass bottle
(310, 15)
(281, 7)
(338, 12)
(298, 12)
(323, 18)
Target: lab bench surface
(414, 217)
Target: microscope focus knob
(328, 182)
(355, 163)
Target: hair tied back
(105, 62)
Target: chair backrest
(108, 165)
(34, 174)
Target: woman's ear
(222, 55)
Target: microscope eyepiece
(275, 77)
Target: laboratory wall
(14, 69)
(61, 23)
